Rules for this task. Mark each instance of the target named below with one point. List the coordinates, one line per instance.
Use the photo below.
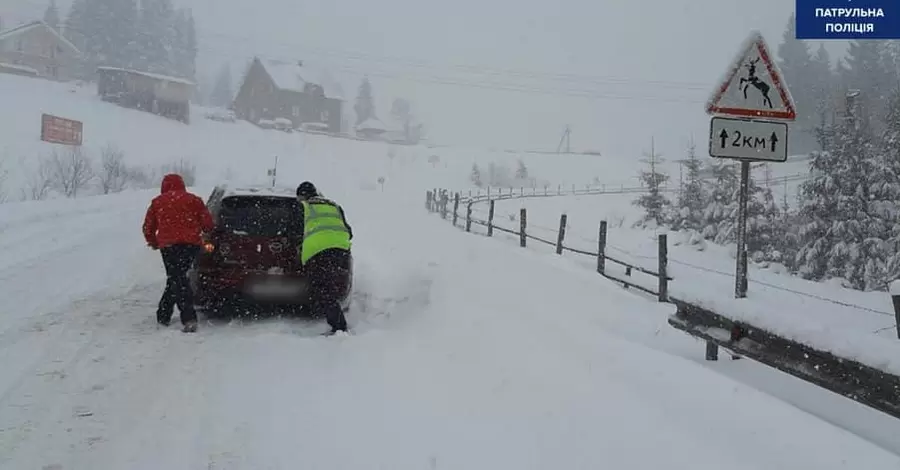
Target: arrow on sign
(724, 137)
(774, 140)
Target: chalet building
(36, 49)
(158, 94)
(274, 90)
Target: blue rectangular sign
(848, 19)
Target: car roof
(269, 191)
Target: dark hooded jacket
(176, 216)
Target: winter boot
(190, 327)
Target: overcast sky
(503, 73)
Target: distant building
(294, 91)
(36, 48)
(158, 94)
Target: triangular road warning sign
(753, 86)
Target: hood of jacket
(172, 182)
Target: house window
(295, 110)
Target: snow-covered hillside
(467, 353)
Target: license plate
(272, 288)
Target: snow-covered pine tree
(866, 71)
(74, 29)
(768, 232)
(721, 201)
(475, 176)
(51, 15)
(836, 235)
(795, 64)
(885, 198)
(157, 36)
(222, 94)
(109, 36)
(184, 51)
(365, 103)
(692, 197)
(654, 203)
(823, 87)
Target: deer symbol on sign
(752, 79)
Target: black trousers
(329, 275)
(178, 260)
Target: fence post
(521, 190)
(522, 224)
(663, 264)
(469, 217)
(562, 234)
(443, 206)
(545, 189)
(559, 189)
(428, 200)
(455, 208)
(491, 219)
(470, 194)
(895, 297)
(573, 189)
(712, 351)
(601, 248)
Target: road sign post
(752, 93)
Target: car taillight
(209, 247)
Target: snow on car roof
(278, 191)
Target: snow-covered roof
(23, 68)
(155, 76)
(13, 32)
(371, 124)
(293, 76)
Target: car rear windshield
(260, 216)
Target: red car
(251, 256)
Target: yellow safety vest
(323, 228)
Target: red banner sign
(59, 130)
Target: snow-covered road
(469, 354)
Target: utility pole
(566, 137)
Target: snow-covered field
(850, 323)
(467, 353)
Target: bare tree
(138, 178)
(38, 182)
(70, 170)
(113, 173)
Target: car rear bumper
(213, 287)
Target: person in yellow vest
(324, 252)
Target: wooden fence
(438, 201)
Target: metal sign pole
(275, 171)
(740, 278)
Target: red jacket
(176, 216)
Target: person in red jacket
(174, 225)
